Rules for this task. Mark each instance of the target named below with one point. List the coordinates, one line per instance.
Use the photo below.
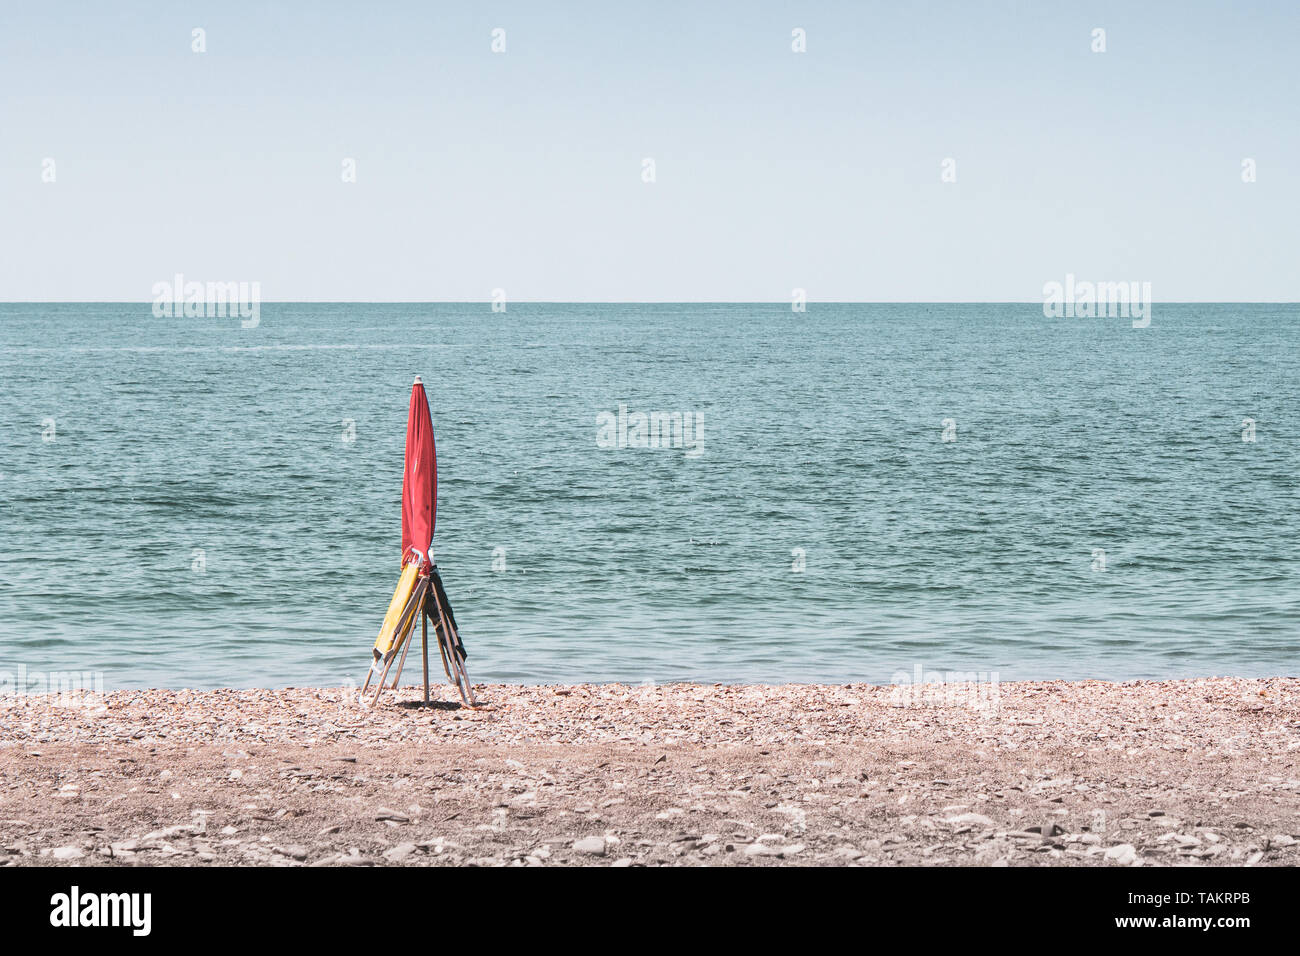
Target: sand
(1179, 772)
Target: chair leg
(382, 677)
(406, 623)
(406, 646)
(424, 650)
(452, 662)
(467, 692)
(440, 630)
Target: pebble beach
(1090, 773)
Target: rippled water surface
(200, 520)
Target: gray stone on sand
(399, 853)
(1122, 853)
(593, 846)
(970, 820)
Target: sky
(773, 170)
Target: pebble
(1122, 853)
(399, 853)
(353, 859)
(593, 846)
(970, 820)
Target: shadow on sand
(433, 705)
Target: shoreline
(1176, 772)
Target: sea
(648, 493)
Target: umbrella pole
(424, 647)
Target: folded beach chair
(449, 644)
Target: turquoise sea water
(201, 519)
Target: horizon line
(509, 302)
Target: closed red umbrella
(419, 481)
(420, 595)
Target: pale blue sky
(775, 170)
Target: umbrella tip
(418, 380)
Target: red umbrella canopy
(419, 480)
